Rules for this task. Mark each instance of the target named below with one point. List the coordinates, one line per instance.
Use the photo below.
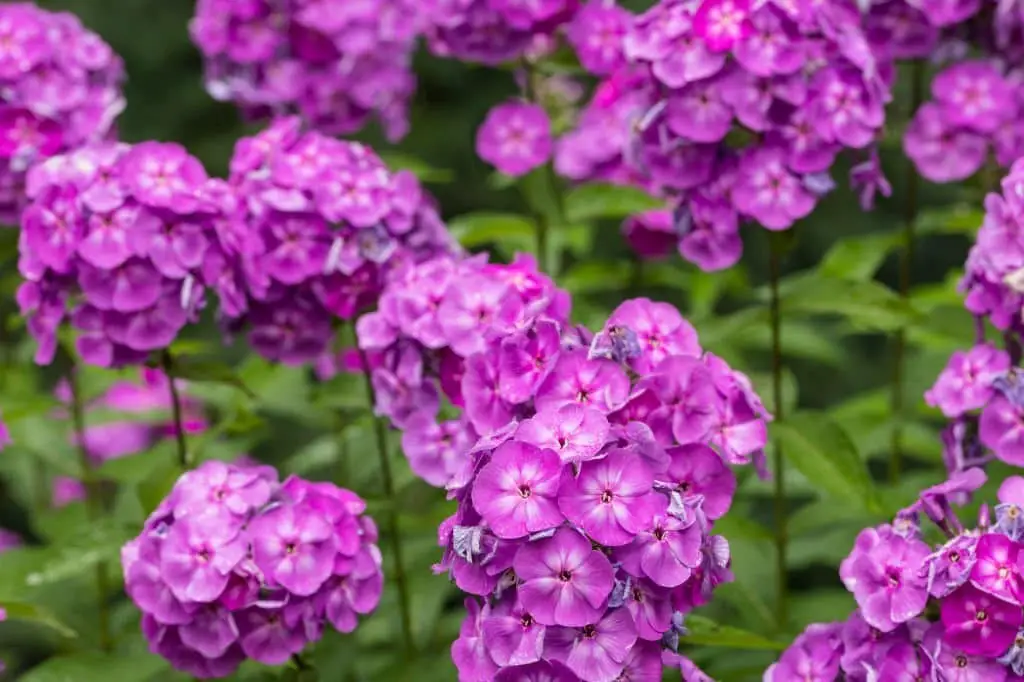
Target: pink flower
(978, 623)
(515, 138)
(516, 491)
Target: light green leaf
(709, 633)
(478, 229)
(960, 218)
(96, 667)
(597, 201)
(36, 614)
(589, 277)
(859, 257)
(98, 542)
(157, 485)
(824, 453)
(867, 306)
(418, 167)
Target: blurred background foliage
(840, 313)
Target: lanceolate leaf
(824, 453)
(596, 201)
(709, 633)
(35, 614)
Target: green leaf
(157, 485)
(858, 257)
(961, 218)
(824, 453)
(99, 541)
(36, 614)
(867, 306)
(478, 229)
(597, 201)
(590, 276)
(96, 667)
(709, 633)
(211, 371)
(418, 167)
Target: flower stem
(401, 581)
(94, 509)
(179, 424)
(906, 258)
(780, 502)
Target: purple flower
(516, 491)
(667, 551)
(697, 470)
(684, 387)
(813, 656)
(978, 623)
(294, 549)
(951, 663)
(469, 651)
(543, 671)
(884, 572)
(769, 192)
(940, 151)
(996, 568)
(513, 637)
(966, 382)
(596, 651)
(198, 556)
(564, 580)
(610, 498)
(515, 138)
(974, 95)
(575, 379)
(1001, 429)
(660, 330)
(576, 432)
(722, 23)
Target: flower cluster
(584, 526)
(147, 404)
(977, 106)
(493, 31)
(429, 321)
(738, 113)
(235, 565)
(979, 389)
(336, 62)
(60, 87)
(947, 612)
(126, 237)
(322, 223)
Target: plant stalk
(906, 258)
(176, 412)
(401, 580)
(94, 509)
(779, 496)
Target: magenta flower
(997, 568)
(978, 623)
(516, 491)
(940, 151)
(564, 580)
(684, 387)
(660, 330)
(667, 551)
(974, 95)
(513, 636)
(515, 138)
(1001, 429)
(884, 572)
(722, 23)
(769, 192)
(575, 379)
(596, 651)
(966, 382)
(576, 432)
(294, 549)
(198, 556)
(697, 470)
(813, 656)
(469, 651)
(610, 498)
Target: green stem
(906, 259)
(176, 412)
(780, 502)
(401, 581)
(94, 509)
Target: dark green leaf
(212, 371)
(36, 614)
(859, 257)
(824, 453)
(156, 486)
(98, 542)
(96, 667)
(590, 277)
(867, 306)
(597, 201)
(478, 229)
(709, 633)
(418, 167)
